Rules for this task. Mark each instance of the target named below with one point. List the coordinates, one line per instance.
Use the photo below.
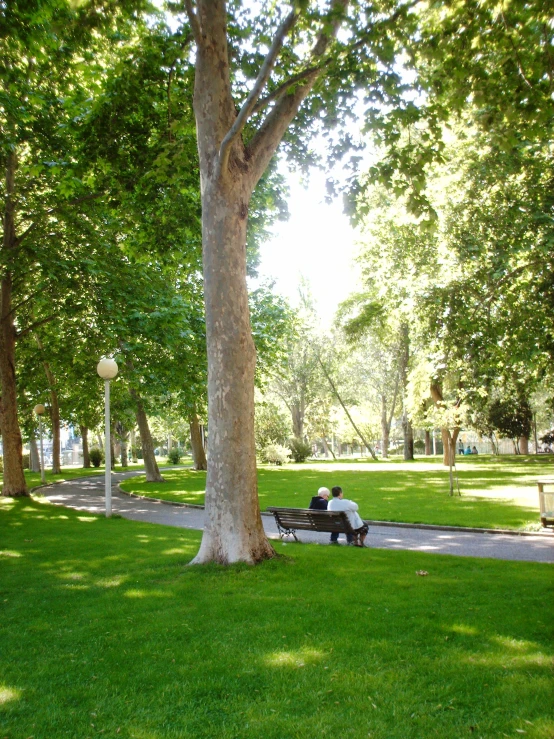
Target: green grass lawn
(105, 632)
(497, 492)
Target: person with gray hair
(319, 501)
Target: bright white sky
(317, 243)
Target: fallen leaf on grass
(422, 573)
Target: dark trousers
(335, 538)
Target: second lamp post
(107, 369)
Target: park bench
(289, 520)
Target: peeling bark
(229, 172)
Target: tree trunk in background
(385, 428)
(100, 441)
(134, 446)
(14, 484)
(328, 448)
(54, 412)
(428, 443)
(150, 465)
(198, 453)
(297, 413)
(34, 457)
(124, 457)
(86, 455)
(523, 445)
(408, 437)
(112, 448)
(404, 362)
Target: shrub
(96, 457)
(300, 450)
(1, 464)
(276, 454)
(419, 445)
(174, 456)
(26, 462)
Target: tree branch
(35, 325)
(267, 139)
(57, 209)
(194, 23)
(251, 100)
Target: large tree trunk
(198, 454)
(86, 454)
(229, 172)
(34, 457)
(14, 484)
(233, 528)
(149, 458)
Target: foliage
(276, 454)
(272, 426)
(96, 457)
(511, 417)
(26, 462)
(174, 455)
(300, 449)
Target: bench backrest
(312, 520)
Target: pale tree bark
(14, 484)
(198, 453)
(229, 172)
(34, 456)
(449, 435)
(86, 453)
(151, 468)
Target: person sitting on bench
(338, 503)
(319, 501)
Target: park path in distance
(87, 494)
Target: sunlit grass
(106, 631)
(497, 492)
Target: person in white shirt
(339, 503)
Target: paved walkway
(88, 494)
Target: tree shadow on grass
(105, 630)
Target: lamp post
(107, 369)
(39, 410)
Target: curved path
(87, 493)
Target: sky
(316, 244)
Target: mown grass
(497, 492)
(106, 632)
